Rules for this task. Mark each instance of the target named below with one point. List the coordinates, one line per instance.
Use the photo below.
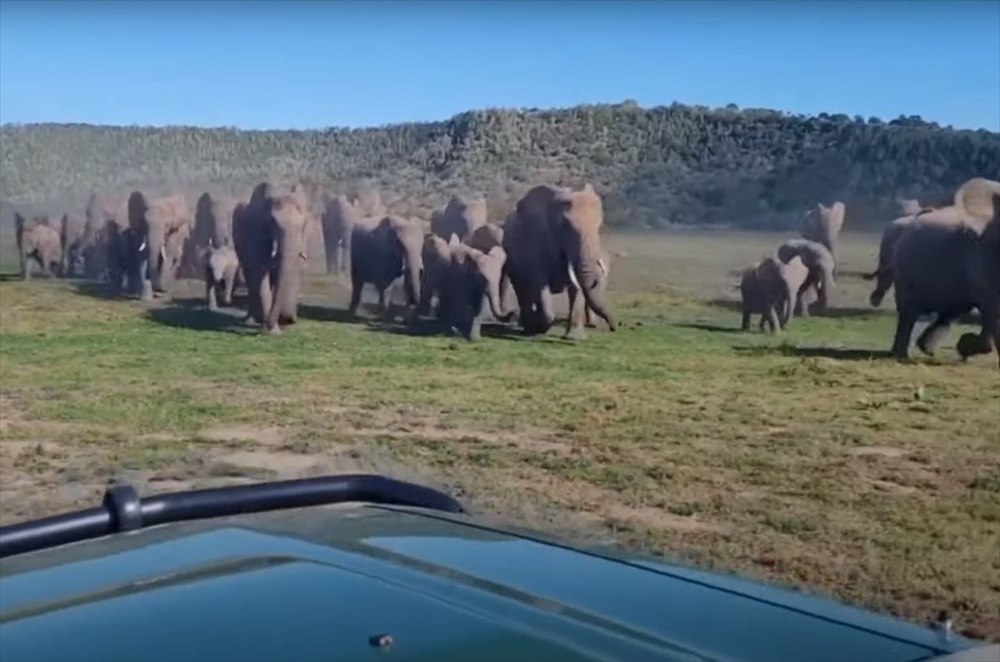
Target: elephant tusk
(163, 253)
(604, 269)
(143, 246)
(572, 277)
(274, 249)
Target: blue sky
(300, 64)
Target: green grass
(805, 458)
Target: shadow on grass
(97, 290)
(199, 318)
(711, 328)
(832, 312)
(11, 277)
(837, 353)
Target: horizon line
(518, 109)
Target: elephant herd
(454, 268)
(943, 260)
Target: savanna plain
(806, 458)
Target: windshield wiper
(123, 510)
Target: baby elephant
(771, 289)
(221, 267)
(38, 242)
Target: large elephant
(818, 259)
(946, 269)
(381, 254)
(38, 241)
(553, 244)
(124, 250)
(461, 216)
(164, 225)
(823, 225)
(472, 277)
(106, 218)
(970, 207)
(72, 235)
(269, 235)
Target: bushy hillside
(676, 164)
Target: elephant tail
(873, 275)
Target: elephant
(163, 224)
(124, 248)
(818, 259)
(338, 219)
(484, 237)
(436, 254)
(72, 235)
(461, 216)
(221, 267)
(213, 228)
(823, 225)
(269, 236)
(105, 215)
(383, 253)
(969, 207)
(472, 277)
(771, 289)
(38, 241)
(946, 269)
(553, 244)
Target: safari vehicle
(365, 567)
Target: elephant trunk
(156, 258)
(284, 307)
(584, 275)
(411, 278)
(496, 304)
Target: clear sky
(300, 64)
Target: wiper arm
(123, 510)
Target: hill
(657, 166)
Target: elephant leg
(227, 297)
(589, 317)
(213, 303)
(771, 316)
(356, 286)
(574, 323)
(382, 308)
(745, 326)
(545, 308)
(935, 332)
(904, 330)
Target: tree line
(677, 164)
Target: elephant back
(461, 216)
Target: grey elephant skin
(820, 263)
(39, 243)
(473, 277)
(221, 267)
(553, 245)
(823, 225)
(269, 235)
(771, 290)
(72, 236)
(338, 219)
(380, 254)
(969, 207)
(945, 270)
(461, 217)
(164, 224)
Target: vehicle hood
(381, 583)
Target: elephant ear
(975, 198)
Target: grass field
(808, 458)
